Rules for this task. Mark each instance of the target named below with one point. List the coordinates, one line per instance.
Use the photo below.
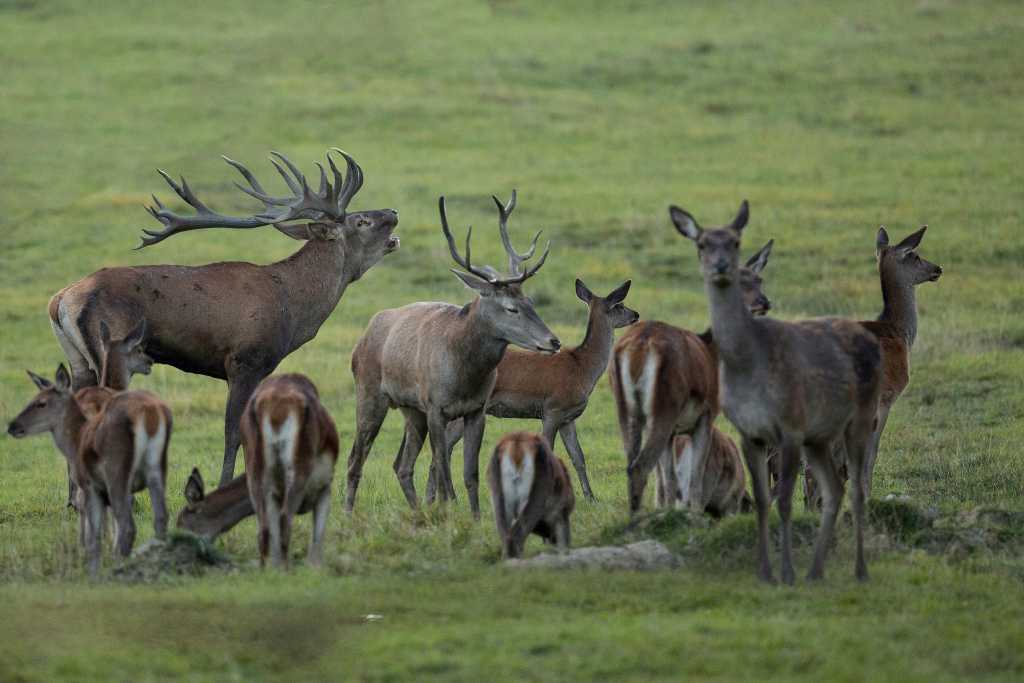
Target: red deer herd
(816, 391)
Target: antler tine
(454, 250)
(530, 272)
(353, 180)
(515, 259)
(257, 190)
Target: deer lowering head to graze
(233, 321)
(724, 482)
(665, 383)
(795, 386)
(210, 515)
(436, 362)
(116, 443)
(556, 388)
(291, 447)
(531, 493)
(900, 269)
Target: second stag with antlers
(436, 362)
(234, 320)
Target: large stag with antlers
(436, 362)
(233, 321)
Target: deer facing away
(233, 321)
(665, 383)
(556, 388)
(291, 447)
(436, 363)
(116, 443)
(531, 493)
(795, 386)
(725, 485)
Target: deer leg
(455, 430)
(370, 414)
(830, 490)
(474, 435)
(858, 435)
(158, 501)
(92, 511)
(572, 446)
(701, 443)
(121, 505)
(790, 456)
(72, 488)
(872, 453)
(436, 426)
(240, 388)
(659, 440)
(272, 513)
(412, 444)
(754, 456)
(320, 514)
(563, 534)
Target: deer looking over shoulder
(436, 362)
(556, 388)
(233, 321)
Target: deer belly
(516, 483)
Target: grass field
(831, 118)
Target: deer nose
(763, 302)
(15, 430)
(721, 266)
(554, 343)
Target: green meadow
(830, 118)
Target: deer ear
(742, 217)
(618, 295)
(297, 231)
(194, 489)
(104, 334)
(583, 293)
(41, 382)
(477, 284)
(324, 231)
(62, 380)
(881, 239)
(758, 261)
(912, 241)
(134, 337)
(685, 223)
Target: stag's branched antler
(515, 259)
(329, 201)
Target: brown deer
(665, 383)
(725, 485)
(900, 269)
(531, 493)
(291, 447)
(556, 388)
(437, 362)
(117, 446)
(233, 321)
(795, 386)
(210, 515)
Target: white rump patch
(626, 380)
(279, 446)
(515, 484)
(148, 449)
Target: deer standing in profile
(665, 383)
(795, 386)
(291, 447)
(556, 388)
(211, 514)
(725, 485)
(116, 443)
(437, 362)
(900, 269)
(233, 321)
(531, 493)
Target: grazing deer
(725, 485)
(291, 447)
(233, 321)
(116, 444)
(556, 388)
(211, 515)
(665, 383)
(436, 362)
(900, 269)
(531, 493)
(795, 386)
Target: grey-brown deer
(291, 447)
(665, 382)
(725, 485)
(233, 321)
(900, 269)
(793, 385)
(211, 514)
(116, 443)
(531, 493)
(437, 362)
(556, 388)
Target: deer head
(365, 234)
(46, 411)
(502, 300)
(618, 314)
(901, 262)
(124, 357)
(719, 252)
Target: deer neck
(478, 342)
(899, 306)
(113, 376)
(595, 350)
(227, 506)
(313, 280)
(731, 325)
(69, 433)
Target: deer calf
(725, 485)
(531, 493)
(291, 447)
(116, 444)
(210, 515)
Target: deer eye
(511, 309)
(41, 404)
